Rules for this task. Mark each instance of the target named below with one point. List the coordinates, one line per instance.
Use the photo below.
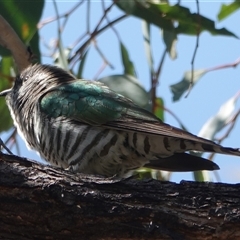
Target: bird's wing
(95, 104)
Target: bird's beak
(5, 92)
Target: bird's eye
(20, 79)
(25, 78)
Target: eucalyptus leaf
(128, 86)
(183, 85)
(170, 40)
(81, 66)
(147, 11)
(227, 9)
(218, 121)
(159, 108)
(201, 176)
(127, 63)
(147, 44)
(163, 15)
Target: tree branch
(39, 202)
(10, 40)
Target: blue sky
(206, 97)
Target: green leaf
(144, 173)
(191, 23)
(219, 121)
(23, 16)
(147, 44)
(81, 65)
(227, 9)
(201, 176)
(147, 173)
(179, 88)
(163, 16)
(147, 11)
(159, 108)
(6, 66)
(128, 86)
(127, 63)
(170, 40)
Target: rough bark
(41, 202)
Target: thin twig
(76, 42)
(228, 65)
(88, 16)
(232, 123)
(155, 80)
(58, 20)
(219, 140)
(159, 70)
(108, 21)
(11, 140)
(94, 34)
(2, 145)
(175, 117)
(103, 17)
(195, 50)
(60, 43)
(100, 70)
(102, 55)
(64, 15)
(60, 28)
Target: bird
(84, 126)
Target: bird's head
(35, 81)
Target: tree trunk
(42, 202)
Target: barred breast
(84, 148)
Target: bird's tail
(178, 145)
(199, 144)
(182, 162)
(216, 148)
